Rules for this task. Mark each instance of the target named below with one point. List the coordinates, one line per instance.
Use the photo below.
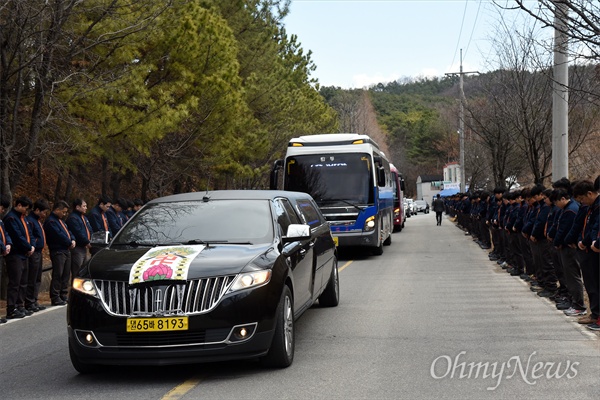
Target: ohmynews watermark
(530, 371)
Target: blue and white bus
(349, 178)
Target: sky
(357, 43)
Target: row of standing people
(28, 228)
(547, 236)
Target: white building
(428, 186)
(452, 173)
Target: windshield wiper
(209, 242)
(134, 243)
(341, 201)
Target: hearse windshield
(197, 222)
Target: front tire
(281, 353)
(331, 295)
(388, 241)
(377, 251)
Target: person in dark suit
(60, 240)
(115, 216)
(16, 262)
(595, 246)
(34, 276)
(97, 215)
(438, 206)
(5, 241)
(81, 229)
(540, 246)
(589, 261)
(137, 204)
(570, 265)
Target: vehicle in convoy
(398, 188)
(412, 208)
(349, 178)
(201, 277)
(406, 208)
(422, 206)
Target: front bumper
(357, 238)
(209, 336)
(255, 347)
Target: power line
(460, 33)
(473, 29)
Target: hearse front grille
(196, 296)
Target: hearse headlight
(370, 224)
(85, 286)
(248, 280)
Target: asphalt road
(431, 318)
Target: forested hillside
(508, 124)
(143, 99)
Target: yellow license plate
(335, 240)
(157, 324)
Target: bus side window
(381, 179)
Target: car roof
(232, 195)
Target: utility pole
(560, 96)
(461, 122)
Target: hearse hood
(116, 264)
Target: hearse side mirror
(297, 232)
(100, 239)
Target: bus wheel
(377, 251)
(388, 241)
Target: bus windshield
(332, 178)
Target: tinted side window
(290, 210)
(285, 214)
(310, 213)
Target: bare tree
(577, 19)
(488, 125)
(518, 96)
(584, 121)
(477, 164)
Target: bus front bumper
(356, 238)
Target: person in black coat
(115, 216)
(81, 229)
(438, 206)
(16, 262)
(34, 276)
(587, 195)
(97, 215)
(60, 240)
(5, 241)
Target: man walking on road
(438, 207)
